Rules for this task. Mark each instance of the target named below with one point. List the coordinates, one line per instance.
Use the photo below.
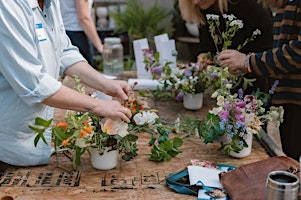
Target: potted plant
(81, 132)
(235, 120)
(141, 23)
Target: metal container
(112, 56)
(282, 185)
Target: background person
(80, 27)
(253, 15)
(283, 63)
(35, 51)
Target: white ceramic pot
(245, 151)
(102, 22)
(102, 12)
(193, 101)
(106, 161)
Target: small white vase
(102, 12)
(245, 151)
(106, 161)
(193, 101)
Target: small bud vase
(106, 161)
(245, 151)
(193, 101)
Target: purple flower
(168, 89)
(227, 106)
(240, 93)
(180, 96)
(241, 104)
(157, 70)
(238, 110)
(214, 75)
(224, 115)
(272, 90)
(188, 73)
(239, 118)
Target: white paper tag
(40, 32)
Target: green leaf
(42, 122)
(177, 142)
(173, 152)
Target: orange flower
(62, 124)
(65, 143)
(89, 129)
(86, 122)
(82, 133)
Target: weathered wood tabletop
(136, 179)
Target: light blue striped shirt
(34, 50)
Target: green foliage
(40, 127)
(140, 23)
(165, 150)
(209, 129)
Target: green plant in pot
(141, 23)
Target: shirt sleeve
(284, 58)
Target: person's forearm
(90, 30)
(67, 98)
(87, 74)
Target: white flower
(214, 94)
(229, 17)
(145, 117)
(220, 100)
(275, 115)
(228, 85)
(212, 16)
(238, 23)
(257, 32)
(216, 111)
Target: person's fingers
(125, 113)
(234, 70)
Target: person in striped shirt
(283, 64)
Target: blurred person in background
(80, 27)
(253, 15)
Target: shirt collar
(34, 3)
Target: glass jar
(112, 56)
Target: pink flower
(114, 126)
(238, 110)
(224, 114)
(241, 104)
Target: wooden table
(136, 179)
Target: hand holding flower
(234, 60)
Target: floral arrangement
(80, 131)
(192, 78)
(235, 117)
(232, 26)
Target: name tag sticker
(40, 32)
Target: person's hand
(112, 109)
(117, 88)
(234, 60)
